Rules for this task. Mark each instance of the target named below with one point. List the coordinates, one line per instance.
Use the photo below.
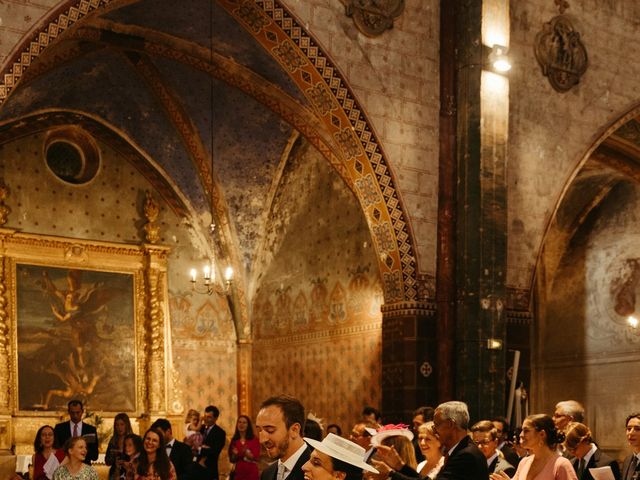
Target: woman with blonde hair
(395, 456)
(431, 450)
(579, 443)
(75, 469)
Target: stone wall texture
(551, 132)
(395, 78)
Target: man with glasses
(463, 460)
(485, 436)
(361, 433)
(503, 431)
(566, 412)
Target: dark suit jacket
(62, 432)
(500, 464)
(271, 471)
(598, 459)
(626, 465)
(181, 457)
(215, 440)
(510, 455)
(466, 462)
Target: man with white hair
(566, 412)
(463, 460)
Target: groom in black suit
(75, 427)
(280, 423)
(463, 460)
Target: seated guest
(465, 460)
(46, 458)
(335, 429)
(586, 454)
(244, 450)
(361, 433)
(335, 458)
(631, 464)
(485, 436)
(431, 450)
(154, 463)
(128, 465)
(74, 468)
(115, 448)
(540, 437)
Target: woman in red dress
(244, 450)
(46, 458)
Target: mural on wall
(204, 350)
(76, 338)
(317, 305)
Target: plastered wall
(317, 307)
(586, 350)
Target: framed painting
(75, 338)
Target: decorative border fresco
(310, 68)
(275, 29)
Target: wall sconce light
(632, 321)
(499, 60)
(494, 344)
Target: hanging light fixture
(209, 283)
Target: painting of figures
(75, 338)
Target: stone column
(409, 353)
(244, 377)
(481, 217)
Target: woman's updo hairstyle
(544, 423)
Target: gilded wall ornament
(4, 210)
(151, 212)
(373, 17)
(560, 53)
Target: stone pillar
(409, 353)
(481, 217)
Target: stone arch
(276, 30)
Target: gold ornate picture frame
(70, 311)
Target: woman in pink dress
(244, 450)
(46, 458)
(540, 437)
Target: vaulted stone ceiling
(145, 71)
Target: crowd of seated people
(441, 444)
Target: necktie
(580, 468)
(631, 473)
(75, 429)
(281, 471)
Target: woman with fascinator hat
(395, 456)
(335, 458)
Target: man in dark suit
(75, 427)
(279, 424)
(631, 465)
(179, 453)
(502, 427)
(595, 458)
(463, 460)
(213, 440)
(485, 436)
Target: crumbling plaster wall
(317, 305)
(395, 79)
(551, 132)
(587, 351)
(110, 208)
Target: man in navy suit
(280, 423)
(75, 427)
(463, 460)
(213, 440)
